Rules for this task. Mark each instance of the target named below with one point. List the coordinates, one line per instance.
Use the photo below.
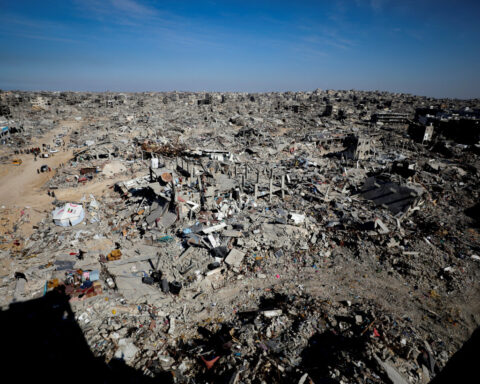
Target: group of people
(34, 150)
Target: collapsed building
(461, 125)
(390, 118)
(233, 237)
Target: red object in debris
(292, 150)
(73, 253)
(375, 332)
(210, 363)
(82, 179)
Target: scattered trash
(239, 237)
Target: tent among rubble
(68, 215)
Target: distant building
(428, 134)
(358, 148)
(461, 125)
(391, 118)
(299, 108)
(364, 148)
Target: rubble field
(298, 237)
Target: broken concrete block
(232, 233)
(126, 350)
(391, 372)
(19, 290)
(150, 219)
(214, 228)
(272, 313)
(168, 219)
(297, 218)
(383, 228)
(213, 241)
(235, 258)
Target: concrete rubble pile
(298, 237)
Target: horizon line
(240, 92)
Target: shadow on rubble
(463, 365)
(326, 351)
(474, 213)
(42, 342)
(213, 345)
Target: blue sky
(424, 47)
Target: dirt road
(21, 187)
(23, 197)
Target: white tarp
(69, 214)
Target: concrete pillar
(271, 189)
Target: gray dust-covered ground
(306, 237)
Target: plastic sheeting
(68, 215)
